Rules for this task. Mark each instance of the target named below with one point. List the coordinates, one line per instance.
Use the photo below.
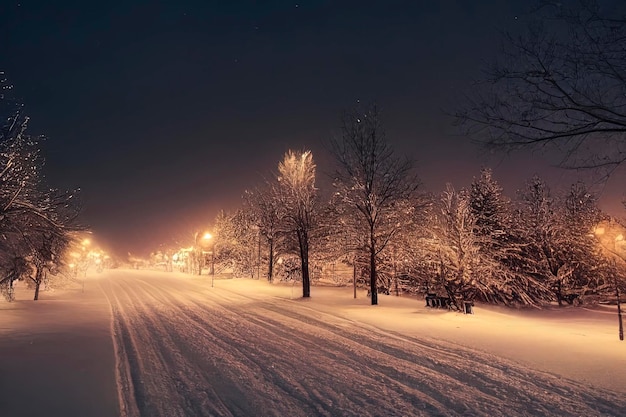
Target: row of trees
(468, 244)
(37, 223)
(559, 85)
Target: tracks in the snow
(187, 350)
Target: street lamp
(617, 240)
(209, 238)
(206, 237)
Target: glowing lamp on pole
(618, 240)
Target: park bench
(435, 301)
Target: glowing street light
(209, 238)
(618, 240)
(200, 243)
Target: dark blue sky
(163, 112)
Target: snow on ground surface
(56, 356)
(248, 348)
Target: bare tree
(560, 85)
(371, 180)
(297, 194)
(268, 214)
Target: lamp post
(212, 263)
(201, 243)
(206, 238)
(258, 259)
(617, 240)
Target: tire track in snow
(349, 368)
(123, 377)
(536, 390)
(280, 370)
(164, 382)
(290, 388)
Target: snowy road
(186, 349)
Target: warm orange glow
(610, 235)
(207, 236)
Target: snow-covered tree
(268, 214)
(559, 252)
(52, 224)
(499, 241)
(371, 180)
(297, 194)
(340, 238)
(36, 222)
(581, 216)
(461, 260)
(491, 209)
(236, 239)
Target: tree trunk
(354, 276)
(37, 283)
(373, 286)
(270, 272)
(304, 263)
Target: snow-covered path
(186, 349)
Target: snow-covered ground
(247, 348)
(56, 356)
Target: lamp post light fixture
(212, 258)
(617, 240)
(199, 244)
(208, 238)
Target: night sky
(163, 112)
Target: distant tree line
(37, 223)
(558, 85)
(473, 244)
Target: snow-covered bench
(435, 301)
